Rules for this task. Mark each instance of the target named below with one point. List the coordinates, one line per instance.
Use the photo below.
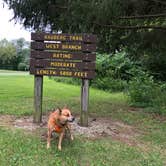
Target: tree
(111, 20)
(8, 55)
(118, 24)
(12, 53)
(23, 52)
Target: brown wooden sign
(63, 46)
(62, 73)
(89, 38)
(59, 52)
(62, 64)
(63, 55)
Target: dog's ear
(65, 107)
(60, 111)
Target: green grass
(9, 71)
(18, 91)
(21, 148)
(18, 148)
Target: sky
(9, 29)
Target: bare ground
(98, 128)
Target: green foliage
(112, 71)
(8, 55)
(144, 91)
(68, 80)
(149, 49)
(142, 88)
(14, 55)
(22, 67)
(136, 25)
(90, 16)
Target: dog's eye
(67, 115)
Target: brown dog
(59, 122)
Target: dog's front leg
(69, 129)
(48, 138)
(60, 140)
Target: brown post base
(84, 102)
(84, 119)
(38, 93)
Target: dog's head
(65, 116)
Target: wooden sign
(62, 73)
(89, 38)
(63, 55)
(63, 51)
(62, 64)
(63, 46)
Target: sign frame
(66, 55)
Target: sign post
(84, 102)
(38, 95)
(66, 55)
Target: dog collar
(57, 128)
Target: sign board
(62, 64)
(59, 52)
(63, 46)
(65, 55)
(63, 73)
(88, 38)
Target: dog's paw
(48, 146)
(72, 138)
(59, 148)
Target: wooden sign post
(84, 102)
(66, 55)
(38, 96)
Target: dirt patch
(98, 128)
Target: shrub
(68, 80)
(109, 84)
(141, 89)
(22, 66)
(144, 91)
(112, 71)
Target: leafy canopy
(112, 20)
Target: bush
(68, 80)
(112, 72)
(141, 89)
(144, 91)
(109, 84)
(23, 66)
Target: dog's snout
(71, 119)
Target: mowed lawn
(18, 147)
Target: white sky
(8, 29)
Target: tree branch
(53, 7)
(130, 27)
(143, 16)
(159, 1)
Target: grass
(21, 148)
(18, 91)
(18, 148)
